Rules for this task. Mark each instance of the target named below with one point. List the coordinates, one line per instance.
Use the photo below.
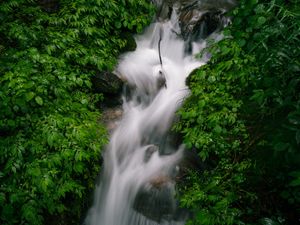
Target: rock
(111, 116)
(160, 181)
(164, 10)
(130, 42)
(156, 203)
(197, 18)
(107, 83)
(149, 152)
(198, 25)
(161, 80)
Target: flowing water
(140, 165)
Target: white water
(136, 160)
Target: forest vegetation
(50, 136)
(243, 120)
(242, 117)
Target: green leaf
(29, 96)
(218, 129)
(241, 42)
(295, 182)
(118, 24)
(281, 146)
(2, 198)
(295, 173)
(39, 100)
(84, 101)
(261, 20)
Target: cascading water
(140, 166)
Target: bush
(50, 138)
(243, 117)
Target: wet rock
(149, 152)
(107, 83)
(156, 204)
(161, 80)
(198, 25)
(197, 18)
(111, 117)
(164, 10)
(160, 181)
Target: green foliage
(243, 117)
(210, 121)
(50, 139)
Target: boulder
(156, 203)
(197, 18)
(198, 25)
(107, 83)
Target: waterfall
(137, 185)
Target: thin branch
(160, 38)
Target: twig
(159, 52)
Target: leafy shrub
(50, 138)
(243, 118)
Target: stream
(141, 162)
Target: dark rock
(191, 160)
(198, 25)
(130, 42)
(156, 203)
(107, 83)
(197, 18)
(161, 80)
